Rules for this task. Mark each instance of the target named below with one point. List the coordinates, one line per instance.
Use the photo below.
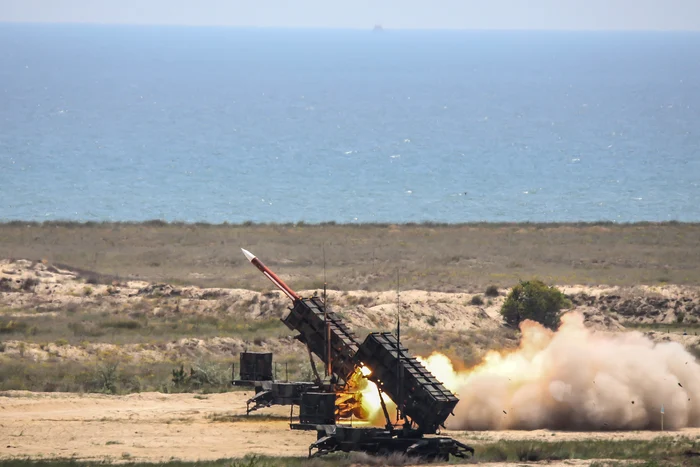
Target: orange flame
(369, 397)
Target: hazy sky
(424, 14)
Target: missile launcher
(424, 404)
(419, 396)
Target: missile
(271, 275)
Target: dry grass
(102, 327)
(430, 256)
(355, 459)
(250, 418)
(659, 452)
(111, 376)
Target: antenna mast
(325, 317)
(398, 346)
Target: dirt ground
(149, 427)
(161, 427)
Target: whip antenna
(325, 316)
(398, 346)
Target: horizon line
(345, 28)
(301, 223)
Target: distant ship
(378, 28)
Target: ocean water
(217, 124)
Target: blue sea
(127, 123)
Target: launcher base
(382, 442)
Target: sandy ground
(161, 427)
(149, 426)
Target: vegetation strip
(662, 451)
(438, 257)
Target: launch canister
(271, 275)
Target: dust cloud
(576, 379)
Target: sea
(194, 124)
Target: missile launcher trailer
(316, 326)
(313, 323)
(382, 441)
(316, 409)
(422, 401)
(254, 367)
(416, 392)
(255, 370)
(269, 393)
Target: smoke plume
(576, 379)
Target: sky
(391, 14)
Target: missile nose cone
(249, 256)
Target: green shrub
(207, 376)
(477, 300)
(107, 376)
(6, 284)
(85, 329)
(29, 284)
(536, 301)
(491, 291)
(123, 323)
(7, 327)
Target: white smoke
(576, 379)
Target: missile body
(271, 275)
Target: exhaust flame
(575, 379)
(371, 407)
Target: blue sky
(436, 14)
